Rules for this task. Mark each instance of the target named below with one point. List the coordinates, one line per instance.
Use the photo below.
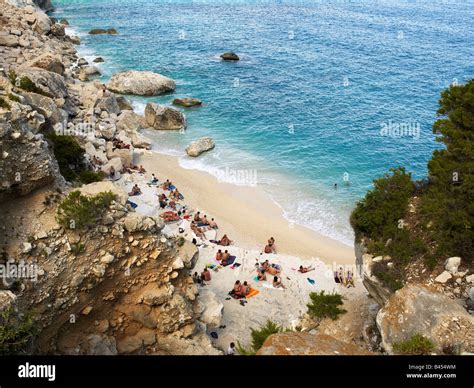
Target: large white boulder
(213, 308)
(162, 117)
(143, 83)
(199, 146)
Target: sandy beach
(246, 214)
(249, 218)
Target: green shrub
(449, 201)
(12, 76)
(259, 336)
(77, 249)
(391, 277)
(78, 211)
(180, 241)
(69, 154)
(4, 104)
(15, 332)
(325, 305)
(416, 345)
(377, 216)
(87, 176)
(13, 97)
(29, 86)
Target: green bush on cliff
(449, 199)
(443, 223)
(4, 104)
(12, 76)
(29, 86)
(69, 154)
(87, 176)
(378, 215)
(15, 332)
(259, 336)
(324, 305)
(416, 345)
(79, 211)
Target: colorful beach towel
(252, 292)
(132, 204)
(230, 261)
(311, 281)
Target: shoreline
(247, 214)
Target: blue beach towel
(230, 261)
(311, 281)
(132, 204)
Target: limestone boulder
(162, 117)
(49, 62)
(143, 83)
(199, 146)
(415, 309)
(230, 56)
(95, 188)
(129, 121)
(107, 103)
(49, 83)
(307, 344)
(213, 308)
(187, 102)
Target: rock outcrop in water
(162, 117)
(143, 83)
(199, 146)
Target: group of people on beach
(271, 269)
(344, 278)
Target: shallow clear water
(307, 105)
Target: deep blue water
(316, 83)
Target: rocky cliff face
(426, 305)
(306, 344)
(117, 288)
(120, 287)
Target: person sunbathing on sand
(213, 224)
(305, 269)
(141, 169)
(204, 220)
(172, 204)
(166, 185)
(198, 232)
(245, 289)
(237, 290)
(225, 257)
(154, 179)
(277, 283)
(225, 241)
(169, 216)
(135, 190)
(271, 269)
(206, 275)
(219, 255)
(261, 275)
(197, 217)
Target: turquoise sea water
(318, 98)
